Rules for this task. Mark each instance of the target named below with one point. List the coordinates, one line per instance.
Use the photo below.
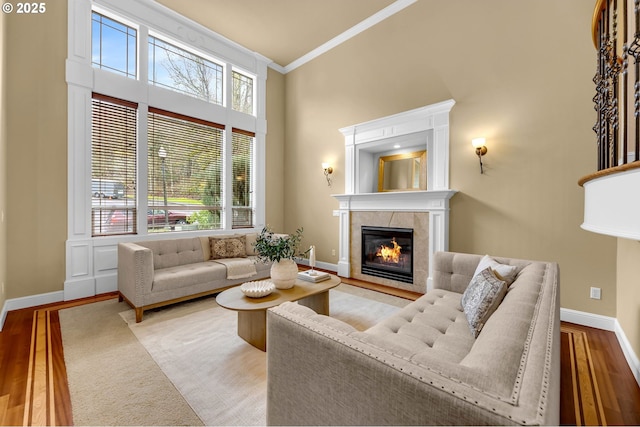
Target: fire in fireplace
(388, 252)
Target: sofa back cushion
(454, 271)
(174, 252)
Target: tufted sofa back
(174, 252)
(453, 271)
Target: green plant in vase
(281, 249)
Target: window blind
(242, 160)
(113, 165)
(185, 172)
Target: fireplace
(388, 252)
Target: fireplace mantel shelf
(414, 201)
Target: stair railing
(616, 36)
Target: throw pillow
(481, 298)
(251, 243)
(502, 271)
(229, 247)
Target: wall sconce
(328, 170)
(481, 149)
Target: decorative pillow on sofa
(228, 247)
(502, 271)
(481, 298)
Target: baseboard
(3, 315)
(321, 265)
(588, 319)
(629, 354)
(30, 301)
(608, 324)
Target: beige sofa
(423, 365)
(156, 273)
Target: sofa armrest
(135, 272)
(320, 373)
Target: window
(161, 159)
(113, 46)
(242, 93)
(242, 159)
(185, 172)
(113, 166)
(174, 68)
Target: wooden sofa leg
(139, 312)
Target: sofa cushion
(228, 247)
(481, 298)
(187, 275)
(432, 327)
(174, 252)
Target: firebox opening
(388, 252)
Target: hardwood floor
(23, 402)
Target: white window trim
(91, 262)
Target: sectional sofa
(156, 273)
(452, 357)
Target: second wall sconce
(328, 170)
(481, 149)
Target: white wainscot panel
(105, 265)
(79, 254)
(105, 258)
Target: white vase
(284, 273)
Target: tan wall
(275, 151)
(37, 151)
(520, 74)
(629, 291)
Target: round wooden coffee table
(252, 312)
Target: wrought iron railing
(616, 36)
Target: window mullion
(228, 86)
(143, 55)
(143, 151)
(227, 181)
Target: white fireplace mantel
(424, 128)
(409, 201)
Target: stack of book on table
(313, 276)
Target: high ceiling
(281, 30)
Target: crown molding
(374, 19)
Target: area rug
(189, 349)
(112, 379)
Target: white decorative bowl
(258, 288)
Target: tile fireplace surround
(424, 211)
